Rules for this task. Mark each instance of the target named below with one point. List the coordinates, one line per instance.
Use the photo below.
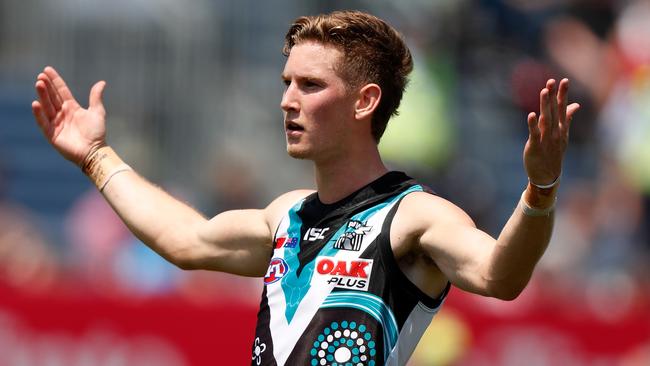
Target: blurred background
(193, 104)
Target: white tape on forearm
(535, 212)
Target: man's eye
(311, 84)
(286, 83)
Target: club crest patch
(352, 238)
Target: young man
(355, 271)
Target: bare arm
(237, 242)
(471, 259)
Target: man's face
(318, 109)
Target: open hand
(73, 131)
(549, 134)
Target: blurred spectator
(108, 258)
(27, 260)
(233, 183)
(479, 65)
(612, 61)
(95, 235)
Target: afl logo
(277, 269)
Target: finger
(95, 99)
(544, 112)
(533, 128)
(42, 121)
(59, 84)
(563, 100)
(54, 95)
(551, 85)
(571, 110)
(44, 99)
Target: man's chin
(298, 152)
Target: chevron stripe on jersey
(333, 265)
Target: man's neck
(337, 180)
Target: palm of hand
(74, 131)
(549, 134)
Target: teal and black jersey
(333, 293)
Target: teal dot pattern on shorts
(344, 344)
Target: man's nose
(289, 99)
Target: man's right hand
(74, 132)
(237, 242)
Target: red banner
(87, 330)
(72, 328)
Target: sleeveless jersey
(333, 293)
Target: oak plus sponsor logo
(315, 233)
(278, 268)
(353, 236)
(350, 274)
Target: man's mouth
(292, 126)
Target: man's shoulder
(293, 196)
(418, 211)
(420, 215)
(286, 200)
(279, 206)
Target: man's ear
(369, 97)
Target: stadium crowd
(461, 129)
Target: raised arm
(471, 259)
(238, 242)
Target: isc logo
(315, 233)
(351, 274)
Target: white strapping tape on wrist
(535, 212)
